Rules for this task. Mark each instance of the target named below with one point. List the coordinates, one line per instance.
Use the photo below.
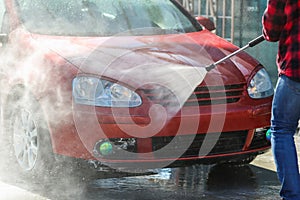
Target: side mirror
(3, 39)
(207, 23)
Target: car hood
(111, 55)
(136, 60)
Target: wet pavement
(256, 181)
(197, 182)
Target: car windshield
(105, 17)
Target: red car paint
(46, 66)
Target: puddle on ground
(194, 182)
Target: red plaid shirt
(281, 22)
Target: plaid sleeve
(274, 19)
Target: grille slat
(213, 98)
(223, 94)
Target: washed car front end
(128, 91)
(224, 117)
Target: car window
(105, 17)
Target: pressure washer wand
(252, 43)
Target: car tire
(29, 150)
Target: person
(281, 22)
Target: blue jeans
(284, 122)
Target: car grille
(227, 142)
(188, 146)
(212, 95)
(202, 96)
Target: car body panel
(46, 66)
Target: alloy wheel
(25, 139)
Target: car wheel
(29, 143)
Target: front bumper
(210, 136)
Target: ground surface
(256, 181)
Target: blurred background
(238, 21)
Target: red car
(121, 83)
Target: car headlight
(260, 85)
(98, 92)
